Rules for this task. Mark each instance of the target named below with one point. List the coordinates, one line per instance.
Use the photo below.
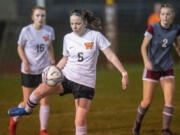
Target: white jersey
(82, 52)
(36, 43)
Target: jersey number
(165, 42)
(40, 48)
(80, 56)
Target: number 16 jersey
(36, 43)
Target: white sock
(44, 115)
(81, 130)
(32, 102)
(16, 118)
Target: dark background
(131, 23)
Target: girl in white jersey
(36, 52)
(80, 53)
(158, 64)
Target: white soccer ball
(52, 75)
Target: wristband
(124, 73)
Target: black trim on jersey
(165, 28)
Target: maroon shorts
(154, 76)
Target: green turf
(112, 112)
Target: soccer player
(154, 17)
(158, 66)
(36, 52)
(80, 53)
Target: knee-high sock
(44, 116)
(16, 118)
(140, 113)
(167, 116)
(32, 102)
(81, 130)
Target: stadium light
(41, 3)
(109, 2)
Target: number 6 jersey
(159, 49)
(36, 43)
(82, 52)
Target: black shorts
(30, 81)
(78, 90)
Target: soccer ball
(52, 75)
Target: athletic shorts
(78, 90)
(154, 76)
(30, 81)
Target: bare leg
(82, 108)
(168, 86)
(148, 92)
(40, 92)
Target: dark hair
(37, 7)
(94, 22)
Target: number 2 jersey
(82, 52)
(159, 49)
(36, 43)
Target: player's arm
(177, 46)
(62, 62)
(51, 53)
(146, 60)
(111, 56)
(23, 58)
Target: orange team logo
(89, 45)
(46, 38)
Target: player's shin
(32, 102)
(167, 116)
(139, 117)
(140, 113)
(81, 130)
(44, 115)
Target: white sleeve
(148, 35)
(22, 38)
(65, 51)
(102, 41)
(149, 32)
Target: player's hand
(27, 67)
(148, 65)
(125, 81)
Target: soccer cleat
(12, 127)
(166, 132)
(44, 132)
(17, 111)
(136, 128)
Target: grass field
(112, 112)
